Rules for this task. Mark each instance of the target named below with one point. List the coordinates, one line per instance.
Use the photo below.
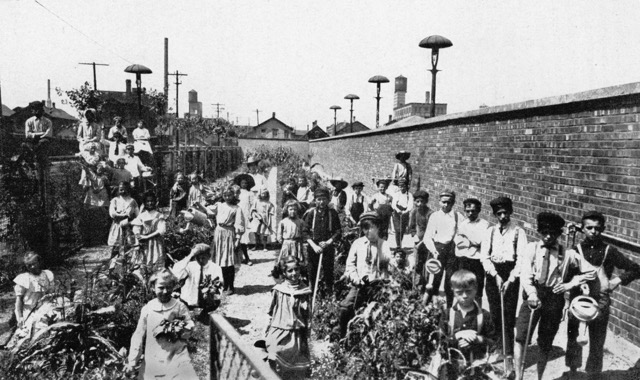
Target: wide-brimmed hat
(357, 184)
(584, 308)
(242, 177)
(403, 155)
(252, 160)
(339, 181)
(433, 266)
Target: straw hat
(584, 308)
(339, 181)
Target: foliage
(178, 244)
(387, 336)
(83, 98)
(288, 161)
(88, 339)
(196, 125)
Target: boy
(368, 262)
(500, 253)
(468, 239)
(196, 292)
(38, 130)
(381, 197)
(402, 205)
(418, 219)
(605, 258)
(543, 275)
(356, 203)
(438, 239)
(304, 193)
(470, 327)
(402, 169)
(322, 229)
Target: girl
(30, 287)
(381, 197)
(122, 210)
(91, 159)
(196, 191)
(88, 130)
(141, 137)
(179, 195)
(245, 201)
(195, 274)
(286, 337)
(290, 232)
(163, 357)
(226, 237)
(263, 211)
(148, 228)
(304, 194)
(118, 139)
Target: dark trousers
(328, 257)
(597, 336)
(547, 317)
(448, 261)
(510, 302)
(228, 276)
(400, 223)
(474, 266)
(357, 296)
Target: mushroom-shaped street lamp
(378, 79)
(435, 43)
(335, 116)
(351, 97)
(138, 69)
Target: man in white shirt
(438, 239)
(471, 231)
(38, 130)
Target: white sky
(297, 58)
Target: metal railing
(231, 357)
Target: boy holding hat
(545, 279)
(605, 258)
(502, 249)
(367, 263)
(322, 229)
(356, 203)
(438, 239)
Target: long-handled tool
(504, 332)
(526, 342)
(315, 288)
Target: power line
(81, 32)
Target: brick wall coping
(591, 95)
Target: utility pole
(178, 83)
(95, 82)
(219, 106)
(258, 116)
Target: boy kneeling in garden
(367, 263)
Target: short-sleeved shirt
(33, 287)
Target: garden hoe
(526, 342)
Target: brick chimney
(128, 86)
(274, 115)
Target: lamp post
(335, 117)
(351, 97)
(435, 43)
(138, 70)
(378, 80)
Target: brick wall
(566, 154)
(301, 147)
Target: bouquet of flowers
(170, 330)
(210, 288)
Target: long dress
(287, 336)
(151, 249)
(92, 161)
(141, 138)
(162, 359)
(290, 234)
(230, 221)
(120, 229)
(196, 195)
(246, 199)
(266, 212)
(88, 133)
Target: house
(402, 110)
(344, 127)
(272, 129)
(315, 133)
(60, 119)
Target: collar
(156, 305)
(456, 307)
(293, 289)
